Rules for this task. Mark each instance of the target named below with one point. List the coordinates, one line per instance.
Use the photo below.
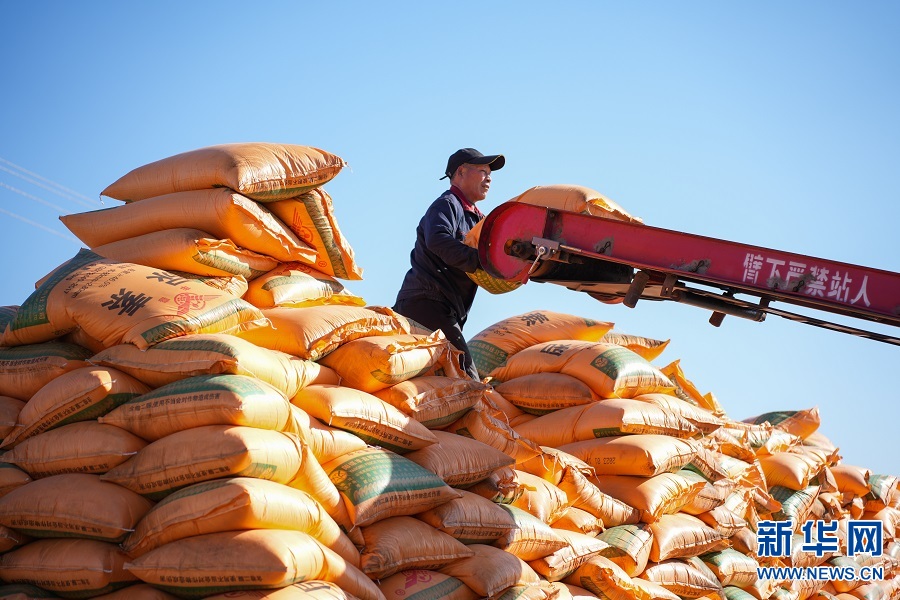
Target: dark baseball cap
(472, 156)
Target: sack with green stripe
(189, 251)
(26, 369)
(495, 345)
(125, 303)
(311, 217)
(80, 395)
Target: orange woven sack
(74, 568)
(495, 345)
(377, 483)
(371, 419)
(543, 393)
(645, 454)
(583, 494)
(491, 571)
(233, 504)
(222, 212)
(561, 563)
(313, 479)
(801, 423)
(653, 496)
(205, 453)
(458, 460)
(402, 543)
(314, 332)
(541, 498)
(420, 583)
(73, 505)
(701, 418)
(470, 519)
(481, 425)
(611, 417)
(203, 565)
(9, 414)
(212, 354)
(297, 285)
(26, 369)
(11, 477)
(203, 400)
(80, 395)
(262, 171)
(686, 579)
(191, 251)
(374, 363)
(326, 443)
(10, 539)
(137, 591)
(433, 400)
(311, 217)
(531, 538)
(606, 579)
(83, 447)
(118, 303)
(579, 521)
(307, 590)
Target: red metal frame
(838, 287)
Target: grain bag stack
(196, 407)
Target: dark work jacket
(440, 259)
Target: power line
(49, 185)
(39, 226)
(58, 209)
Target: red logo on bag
(187, 301)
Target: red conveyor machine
(615, 261)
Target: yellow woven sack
(471, 519)
(458, 460)
(801, 423)
(434, 401)
(325, 442)
(732, 567)
(297, 285)
(561, 563)
(188, 251)
(583, 494)
(314, 332)
(701, 418)
(685, 579)
(629, 546)
(73, 505)
(371, 419)
(212, 354)
(647, 348)
(653, 496)
(606, 579)
(377, 483)
(80, 395)
(531, 539)
(313, 479)
(233, 504)
(612, 417)
(120, 303)
(421, 583)
(83, 447)
(203, 400)
(374, 363)
(552, 464)
(262, 171)
(580, 521)
(540, 498)
(311, 216)
(221, 212)
(205, 453)
(202, 565)
(575, 198)
(402, 543)
(678, 535)
(26, 369)
(686, 390)
(75, 568)
(645, 454)
(544, 393)
(493, 347)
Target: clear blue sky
(770, 123)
